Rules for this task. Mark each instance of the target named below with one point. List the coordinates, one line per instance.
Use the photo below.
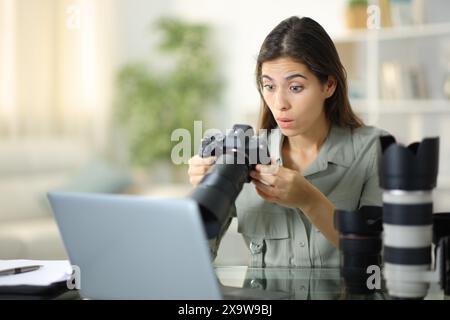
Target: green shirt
(345, 171)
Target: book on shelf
(402, 81)
(399, 13)
(385, 13)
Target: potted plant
(356, 14)
(151, 104)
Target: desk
(304, 283)
(296, 283)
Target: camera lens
(360, 244)
(237, 153)
(218, 190)
(407, 175)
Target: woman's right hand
(198, 167)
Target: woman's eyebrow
(290, 77)
(295, 75)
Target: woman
(325, 158)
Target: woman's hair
(305, 41)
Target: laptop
(134, 247)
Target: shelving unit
(407, 106)
(410, 119)
(394, 33)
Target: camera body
(237, 153)
(239, 146)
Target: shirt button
(302, 244)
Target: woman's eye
(268, 87)
(296, 88)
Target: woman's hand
(198, 167)
(282, 185)
(289, 188)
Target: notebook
(50, 278)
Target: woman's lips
(285, 122)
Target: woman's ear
(330, 86)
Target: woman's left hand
(282, 185)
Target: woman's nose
(280, 102)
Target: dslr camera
(237, 153)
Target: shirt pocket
(265, 230)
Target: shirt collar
(337, 149)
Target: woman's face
(294, 95)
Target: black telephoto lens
(360, 244)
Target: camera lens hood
(365, 221)
(414, 167)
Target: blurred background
(91, 90)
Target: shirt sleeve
(215, 242)
(371, 194)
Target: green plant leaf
(150, 105)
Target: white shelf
(394, 33)
(401, 106)
(443, 183)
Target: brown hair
(305, 41)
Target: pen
(19, 270)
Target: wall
(241, 28)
